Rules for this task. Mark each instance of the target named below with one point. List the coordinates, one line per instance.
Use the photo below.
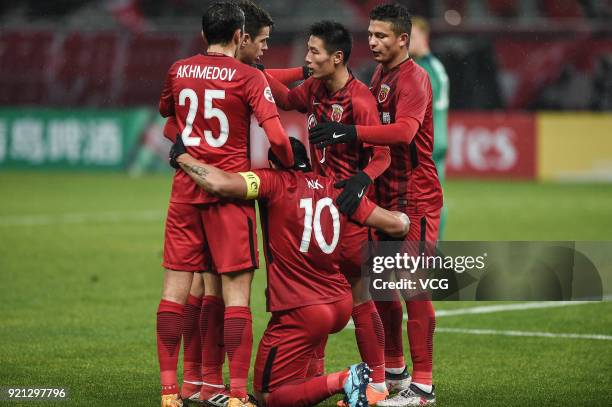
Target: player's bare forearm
(394, 224)
(212, 179)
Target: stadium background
(84, 186)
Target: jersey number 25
(209, 113)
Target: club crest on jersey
(268, 94)
(383, 93)
(312, 121)
(337, 112)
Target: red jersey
(411, 183)
(353, 104)
(302, 229)
(212, 97)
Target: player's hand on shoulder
(177, 149)
(354, 189)
(327, 133)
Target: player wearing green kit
(419, 50)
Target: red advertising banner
(491, 145)
(480, 145)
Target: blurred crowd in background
(499, 54)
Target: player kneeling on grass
(308, 296)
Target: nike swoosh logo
(360, 195)
(316, 103)
(337, 135)
(302, 165)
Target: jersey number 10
(209, 113)
(309, 224)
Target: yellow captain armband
(252, 183)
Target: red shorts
(424, 227)
(219, 237)
(291, 338)
(353, 238)
(422, 236)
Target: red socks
(309, 392)
(370, 339)
(316, 367)
(421, 325)
(169, 329)
(391, 315)
(213, 351)
(192, 349)
(238, 338)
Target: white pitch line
(75, 218)
(487, 309)
(524, 333)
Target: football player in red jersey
(410, 185)
(307, 295)
(332, 93)
(203, 313)
(212, 97)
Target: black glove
(328, 133)
(306, 72)
(354, 190)
(176, 150)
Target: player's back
(212, 97)
(302, 229)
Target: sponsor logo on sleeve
(268, 94)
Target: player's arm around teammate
(245, 186)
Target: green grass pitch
(81, 278)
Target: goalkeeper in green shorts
(419, 50)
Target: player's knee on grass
(177, 285)
(236, 287)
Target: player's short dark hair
(300, 156)
(396, 14)
(255, 17)
(220, 21)
(335, 36)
